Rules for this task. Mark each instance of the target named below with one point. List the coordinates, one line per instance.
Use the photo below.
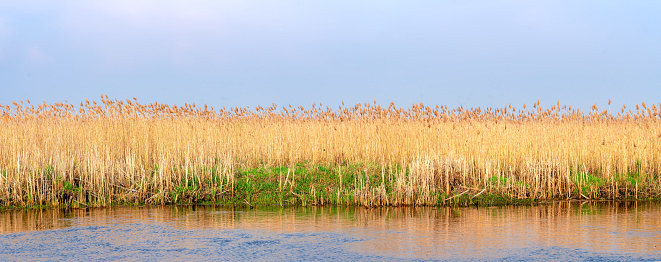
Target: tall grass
(122, 151)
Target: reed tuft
(122, 151)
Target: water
(562, 231)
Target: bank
(306, 184)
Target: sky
(249, 53)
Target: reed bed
(122, 151)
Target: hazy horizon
(250, 53)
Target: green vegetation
(306, 184)
(126, 152)
(587, 183)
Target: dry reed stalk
(131, 152)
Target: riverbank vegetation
(122, 151)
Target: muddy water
(558, 231)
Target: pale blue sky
(249, 53)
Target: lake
(559, 231)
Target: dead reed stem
(122, 150)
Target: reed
(122, 151)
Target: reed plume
(123, 151)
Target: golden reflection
(599, 226)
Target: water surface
(562, 231)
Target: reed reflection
(612, 227)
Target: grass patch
(304, 184)
(587, 183)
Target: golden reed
(125, 151)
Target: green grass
(305, 184)
(587, 183)
(499, 180)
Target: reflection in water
(561, 230)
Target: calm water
(558, 231)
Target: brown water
(620, 231)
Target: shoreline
(523, 202)
(316, 185)
(116, 152)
